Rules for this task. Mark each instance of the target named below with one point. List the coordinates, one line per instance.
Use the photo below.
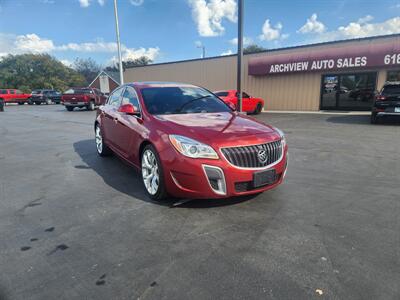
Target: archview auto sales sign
(338, 57)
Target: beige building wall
(296, 91)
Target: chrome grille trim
(246, 157)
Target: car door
(108, 116)
(248, 104)
(129, 127)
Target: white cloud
(32, 43)
(246, 41)
(361, 28)
(312, 25)
(208, 15)
(272, 33)
(101, 2)
(228, 52)
(84, 3)
(365, 19)
(67, 62)
(136, 2)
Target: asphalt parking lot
(75, 226)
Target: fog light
(216, 179)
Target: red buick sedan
(188, 143)
(251, 105)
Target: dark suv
(387, 101)
(45, 96)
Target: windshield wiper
(179, 110)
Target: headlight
(192, 148)
(283, 138)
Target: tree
(253, 48)
(37, 71)
(141, 61)
(87, 67)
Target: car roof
(149, 84)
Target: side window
(130, 96)
(2, 92)
(245, 95)
(115, 98)
(12, 92)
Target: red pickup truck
(14, 96)
(82, 97)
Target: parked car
(387, 101)
(14, 96)
(188, 143)
(45, 96)
(249, 104)
(82, 97)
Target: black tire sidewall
(161, 192)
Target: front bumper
(188, 178)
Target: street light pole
(240, 54)
(203, 50)
(121, 70)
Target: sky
(171, 30)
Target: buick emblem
(262, 156)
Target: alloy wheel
(99, 140)
(150, 172)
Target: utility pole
(121, 70)
(240, 54)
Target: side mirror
(232, 106)
(128, 109)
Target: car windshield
(391, 89)
(77, 91)
(178, 100)
(35, 92)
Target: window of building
(393, 75)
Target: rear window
(78, 91)
(221, 94)
(391, 89)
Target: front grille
(245, 186)
(248, 156)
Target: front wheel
(102, 148)
(258, 109)
(21, 103)
(90, 106)
(152, 174)
(374, 118)
(69, 108)
(38, 102)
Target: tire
(38, 102)
(69, 108)
(374, 118)
(90, 106)
(151, 169)
(21, 103)
(258, 109)
(101, 147)
(30, 102)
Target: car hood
(224, 129)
